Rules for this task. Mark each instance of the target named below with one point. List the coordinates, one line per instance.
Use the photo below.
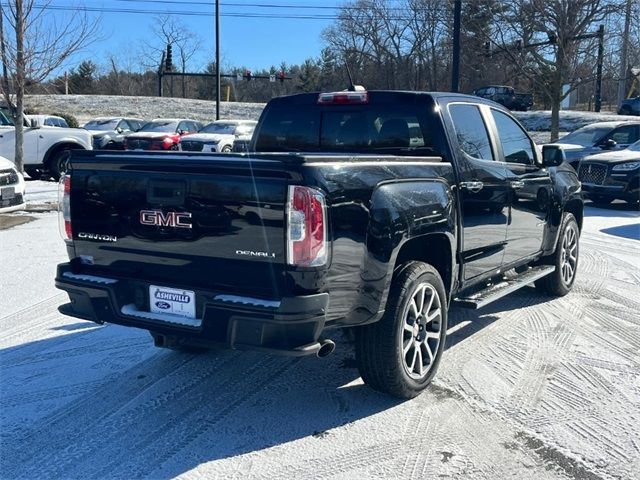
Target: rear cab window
(398, 127)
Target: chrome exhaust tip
(326, 347)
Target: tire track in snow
(187, 428)
(61, 435)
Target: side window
(49, 122)
(624, 135)
(182, 126)
(482, 91)
(516, 145)
(491, 91)
(63, 123)
(471, 131)
(124, 125)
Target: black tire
(226, 149)
(383, 349)
(559, 283)
(34, 173)
(59, 163)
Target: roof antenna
(352, 87)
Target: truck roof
(305, 98)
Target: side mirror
(34, 123)
(552, 156)
(119, 129)
(182, 132)
(609, 143)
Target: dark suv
(506, 96)
(630, 106)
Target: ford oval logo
(163, 305)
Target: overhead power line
(200, 13)
(141, 11)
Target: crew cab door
(8, 140)
(483, 191)
(529, 188)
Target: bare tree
(169, 30)
(564, 60)
(36, 50)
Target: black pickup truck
(371, 210)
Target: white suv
(45, 148)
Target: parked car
(598, 137)
(612, 175)
(161, 134)
(11, 187)
(109, 132)
(506, 96)
(357, 221)
(48, 121)
(46, 149)
(630, 106)
(218, 136)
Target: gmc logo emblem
(169, 219)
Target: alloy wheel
(422, 325)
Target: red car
(161, 134)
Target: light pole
(217, 59)
(455, 64)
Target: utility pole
(455, 64)
(598, 93)
(217, 59)
(624, 60)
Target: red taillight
(343, 98)
(64, 207)
(306, 227)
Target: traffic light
(168, 61)
(281, 76)
(248, 75)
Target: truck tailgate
(216, 220)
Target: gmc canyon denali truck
(369, 210)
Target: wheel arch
(576, 208)
(437, 249)
(413, 219)
(56, 148)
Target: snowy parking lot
(529, 387)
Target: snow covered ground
(86, 107)
(529, 388)
(540, 120)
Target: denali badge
(251, 253)
(97, 236)
(169, 219)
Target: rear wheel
(59, 163)
(33, 173)
(226, 149)
(400, 353)
(565, 259)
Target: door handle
(517, 185)
(473, 187)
